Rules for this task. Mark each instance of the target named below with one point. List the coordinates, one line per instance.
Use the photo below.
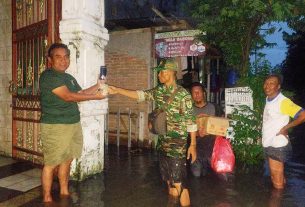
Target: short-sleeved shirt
(54, 110)
(276, 115)
(208, 109)
(205, 145)
(179, 115)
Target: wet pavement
(132, 179)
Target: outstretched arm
(91, 90)
(125, 92)
(65, 94)
(95, 88)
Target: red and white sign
(178, 43)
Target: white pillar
(5, 77)
(82, 29)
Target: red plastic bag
(223, 159)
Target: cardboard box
(213, 125)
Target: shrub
(247, 122)
(247, 136)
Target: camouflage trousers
(173, 170)
(173, 147)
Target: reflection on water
(275, 198)
(132, 180)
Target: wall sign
(235, 97)
(179, 43)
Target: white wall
(5, 77)
(82, 29)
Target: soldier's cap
(167, 64)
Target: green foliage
(247, 122)
(255, 80)
(247, 136)
(293, 66)
(233, 26)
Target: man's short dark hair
(197, 84)
(56, 46)
(277, 76)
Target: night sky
(278, 53)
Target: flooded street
(132, 179)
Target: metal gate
(35, 26)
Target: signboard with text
(238, 96)
(178, 43)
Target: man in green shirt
(61, 131)
(180, 120)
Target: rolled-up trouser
(61, 142)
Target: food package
(213, 125)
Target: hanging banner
(178, 43)
(238, 96)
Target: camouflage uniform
(180, 119)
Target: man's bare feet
(47, 198)
(185, 198)
(66, 195)
(64, 192)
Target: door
(35, 26)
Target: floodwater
(132, 179)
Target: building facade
(28, 28)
